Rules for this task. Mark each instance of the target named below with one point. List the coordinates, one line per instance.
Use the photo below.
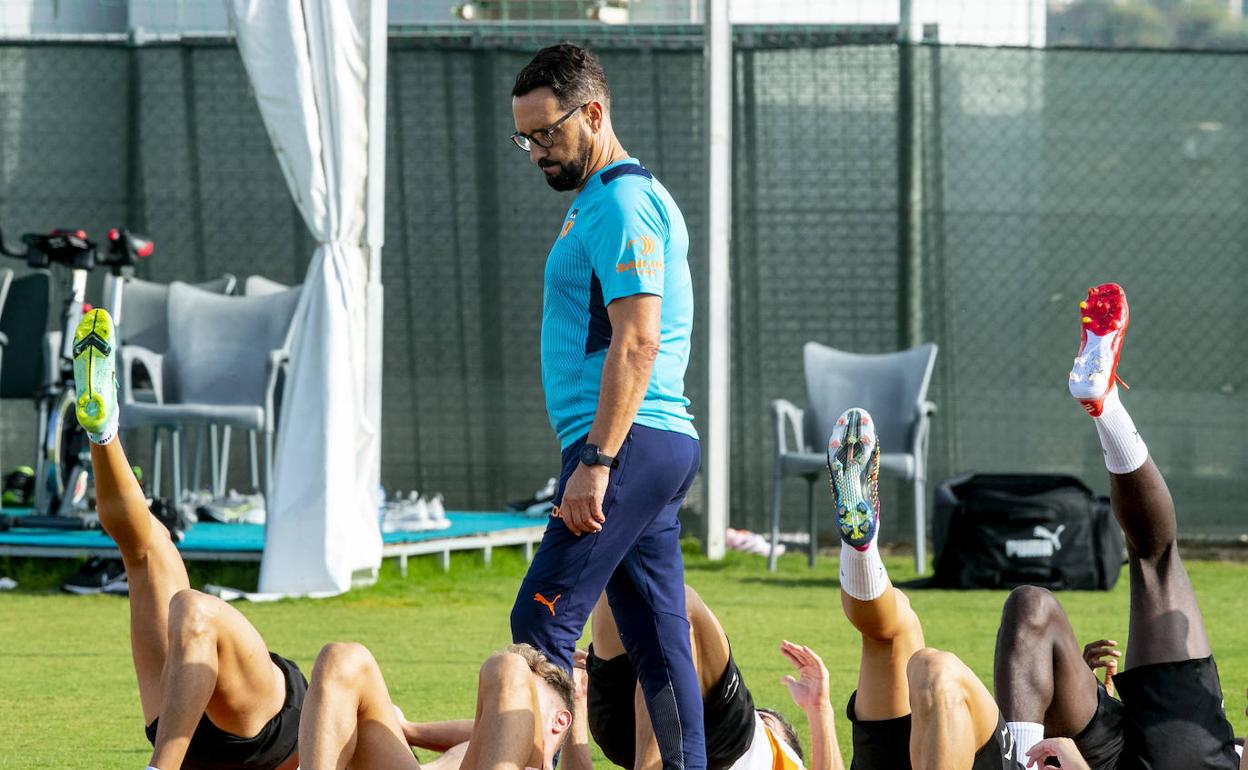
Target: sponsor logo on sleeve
(641, 246)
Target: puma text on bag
(1003, 530)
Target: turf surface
(68, 697)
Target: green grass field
(68, 697)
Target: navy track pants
(636, 559)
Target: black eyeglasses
(543, 137)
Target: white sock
(109, 430)
(149, 767)
(862, 572)
(1124, 449)
(1026, 735)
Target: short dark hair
(573, 73)
(790, 735)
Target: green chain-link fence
(1042, 172)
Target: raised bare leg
(507, 733)
(205, 657)
(154, 569)
(1166, 625)
(604, 633)
(1170, 678)
(348, 718)
(218, 665)
(524, 712)
(1043, 685)
(953, 714)
(891, 634)
(890, 629)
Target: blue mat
(249, 538)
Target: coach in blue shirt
(617, 315)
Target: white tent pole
(719, 370)
(375, 232)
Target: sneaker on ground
(95, 379)
(118, 587)
(96, 576)
(746, 541)
(437, 508)
(854, 471)
(1104, 316)
(233, 509)
(416, 513)
(541, 503)
(176, 518)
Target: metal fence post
(910, 213)
(719, 210)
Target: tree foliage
(1207, 24)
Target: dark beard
(571, 173)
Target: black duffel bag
(1005, 530)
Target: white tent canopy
(309, 65)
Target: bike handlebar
(126, 248)
(74, 250)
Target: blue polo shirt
(623, 235)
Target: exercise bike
(63, 463)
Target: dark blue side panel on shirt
(599, 337)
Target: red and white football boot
(1104, 316)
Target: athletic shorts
(1174, 718)
(1101, 741)
(214, 749)
(728, 712)
(884, 744)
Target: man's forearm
(825, 752)
(625, 377)
(438, 736)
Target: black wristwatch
(592, 455)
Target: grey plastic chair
(255, 286)
(142, 319)
(225, 369)
(893, 388)
(143, 316)
(259, 286)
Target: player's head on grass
(561, 106)
(782, 728)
